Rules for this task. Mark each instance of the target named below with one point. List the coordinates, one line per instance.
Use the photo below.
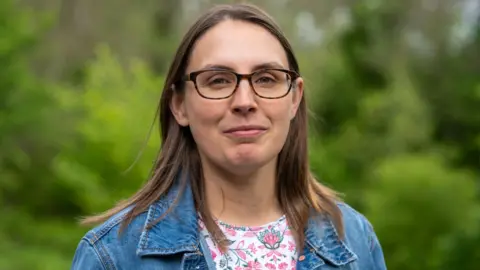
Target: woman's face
(244, 132)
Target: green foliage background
(395, 125)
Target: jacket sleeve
(86, 257)
(375, 248)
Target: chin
(247, 162)
(248, 153)
(242, 169)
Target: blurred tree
(28, 122)
(26, 108)
(393, 94)
(449, 82)
(92, 163)
(418, 212)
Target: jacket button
(301, 258)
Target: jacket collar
(177, 232)
(322, 238)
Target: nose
(243, 101)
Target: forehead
(239, 45)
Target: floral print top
(271, 246)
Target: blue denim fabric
(175, 243)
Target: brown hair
(298, 191)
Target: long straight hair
(178, 160)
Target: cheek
(280, 114)
(283, 127)
(203, 119)
(280, 117)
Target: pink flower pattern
(269, 247)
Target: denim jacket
(175, 242)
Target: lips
(245, 131)
(246, 128)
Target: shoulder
(360, 237)
(354, 220)
(103, 245)
(109, 230)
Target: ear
(297, 90)
(177, 106)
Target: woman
(231, 188)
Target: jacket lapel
(177, 232)
(323, 245)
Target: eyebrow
(256, 67)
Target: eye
(265, 80)
(219, 80)
(216, 79)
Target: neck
(247, 200)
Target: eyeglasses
(269, 83)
